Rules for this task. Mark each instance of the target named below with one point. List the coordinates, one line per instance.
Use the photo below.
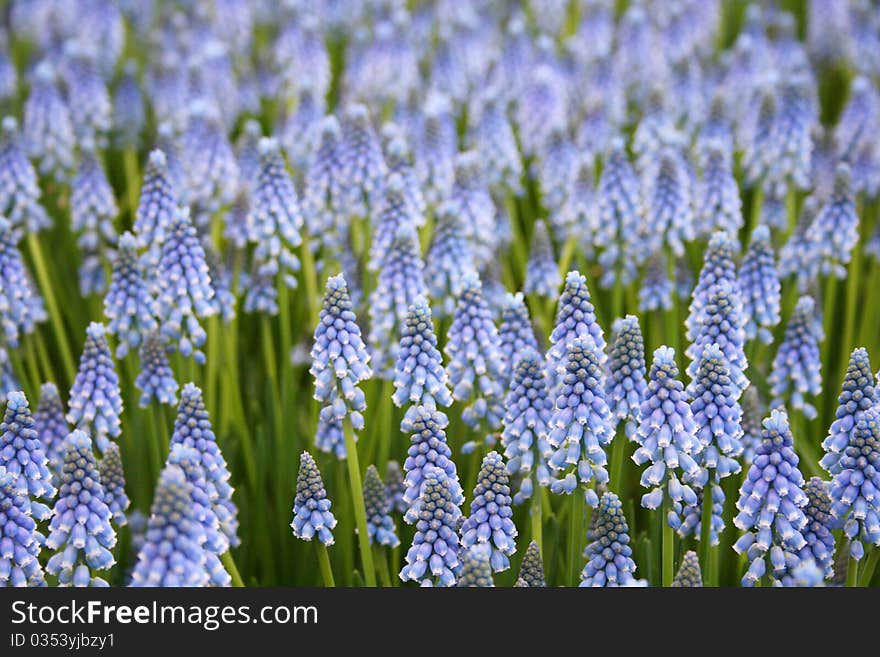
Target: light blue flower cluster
(435, 146)
(619, 215)
(129, 113)
(835, 230)
(718, 265)
(760, 286)
(379, 523)
(581, 425)
(526, 431)
(203, 503)
(608, 552)
(80, 533)
(157, 208)
(542, 272)
(667, 437)
(113, 482)
(854, 500)
(322, 193)
(858, 394)
(19, 187)
(491, 518)
(471, 202)
(656, 290)
(274, 224)
(476, 568)
(173, 553)
(435, 546)
(552, 170)
(156, 378)
(718, 205)
(578, 216)
(210, 168)
(340, 361)
(770, 505)
(449, 262)
(475, 365)
(95, 402)
(689, 574)
(20, 541)
(47, 128)
(128, 304)
(669, 216)
(363, 167)
(575, 318)
(395, 488)
(311, 506)
(51, 426)
(626, 385)
(399, 284)
(21, 307)
(184, 288)
(722, 325)
(92, 212)
(796, 369)
(492, 136)
(398, 158)
(817, 532)
(192, 428)
(516, 332)
(419, 376)
(428, 452)
(752, 414)
(531, 570)
(87, 95)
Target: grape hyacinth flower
(19, 187)
(516, 332)
(669, 217)
(491, 518)
(476, 569)
(399, 161)
(531, 570)
(211, 170)
(689, 574)
(184, 288)
(493, 138)
(248, 153)
(330, 436)
(471, 201)
(858, 394)
(667, 438)
(428, 452)
(51, 426)
(608, 552)
(799, 256)
(626, 385)
(394, 212)
(419, 375)
(21, 307)
(113, 482)
(526, 431)
(22, 454)
(752, 414)
(577, 216)
(192, 428)
(449, 262)
(157, 208)
(322, 193)
(553, 169)
(790, 141)
(542, 272)
(399, 284)
(854, 502)
(95, 401)
(379, 522)
(718, 205)
(203, 498)
(395, 488)
(88, 99)
(796, 369)
(718, 417)
(156, 378)
(340, 361)
(619, 215)
(8, 380)
(92, 212)
(173, 553)
(475, 361)
(128, 304)
(80, 532)
(760, 287)
(718, 265)
(47, 128)
(771, 505)
(581, 425)
(435, 148)
(655, 292)
(722, 326)
(311, 506)
(20, 540)
(274, 221)
(575, 318)
(834, 232)
(363, 166)
(435, 546)
(129, 115)
(817, 532)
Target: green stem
(618, 454)
(51, 305)
(852, 573)
(575, 527)
(357, 494)
(567, 255)
(867, 573)
(310, 282)
(706, 550)
(229, 562)
(132, 180)
(382, 566)
(535, 515)
(324, 565)
(668, 547)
